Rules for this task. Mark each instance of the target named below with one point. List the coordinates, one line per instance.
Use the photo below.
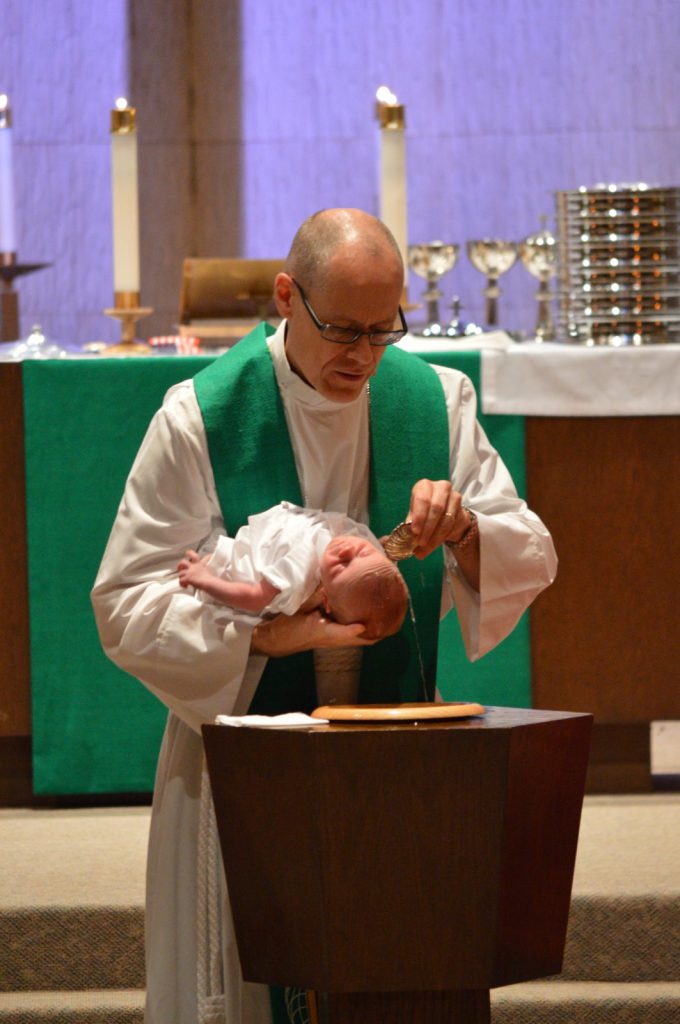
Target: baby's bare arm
(249, 597)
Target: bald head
(344, 269)
(330, 240)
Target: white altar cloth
(549, 379)
(533, 379)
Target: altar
(603, 476)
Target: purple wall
(505, 102)
(62, 63)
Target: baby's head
(360, 584)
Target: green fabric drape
(96, 729)
(503, 676)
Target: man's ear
(283, 292)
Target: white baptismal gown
(284, 546)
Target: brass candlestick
(391, 114)
(128, 311)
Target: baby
(289, 557)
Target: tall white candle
(8, 239)
(392, 204)
(125, 198)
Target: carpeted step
(106, 1006)
(563, 1002)
(623, 938)
(545, 1002)
(72, 918)
(71, 948)
(631, 939)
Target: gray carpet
(71, 919)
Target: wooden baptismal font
(400, 871)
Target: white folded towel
(293, 720)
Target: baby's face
(345, 566)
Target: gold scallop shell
(401, 543)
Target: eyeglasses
(348, 335)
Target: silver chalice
(493, 257)
(538, 253)
(432, 261)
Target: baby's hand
(192, 569)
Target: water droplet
(420, 654)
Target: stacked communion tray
(619, 264)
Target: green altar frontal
(95, 728)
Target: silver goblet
(432, 261)
(493, 257)
(538, 253)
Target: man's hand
(436, 515)
(290, 634)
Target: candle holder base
(128, 315)
(126, 348)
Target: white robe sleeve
(189, 654)
(518, 558)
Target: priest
(327, 413)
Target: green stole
(254, 468)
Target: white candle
(8, 239)
(125, 198)
(392, 206)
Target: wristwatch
(468, 536)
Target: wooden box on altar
(417, 858)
